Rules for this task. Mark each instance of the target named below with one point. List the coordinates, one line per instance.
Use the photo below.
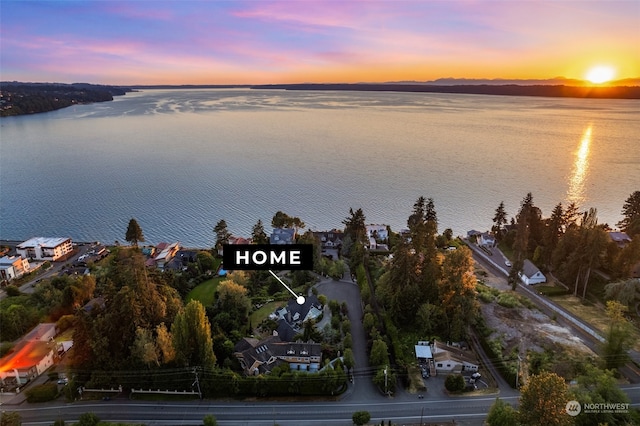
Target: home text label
(265, 256)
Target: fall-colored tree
(543, 401)
(191, 333)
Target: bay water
(179, 160)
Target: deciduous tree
(283, 220)
(502, 414)
(543, 400)
(192, 337)
(598, 386)
(619, 337)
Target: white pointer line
(299, 299)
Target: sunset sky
(255, 42)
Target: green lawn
(205, 292)
(258, 316)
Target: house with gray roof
(282, 236)
(260, 357)
(620, 238)
(530, 274)
(291, 317)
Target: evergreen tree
(258, 235)
(222, 234)
(499, 221)
(355, 226)
(631, 215)
(134, 233)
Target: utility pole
(421, 415)
(518, 371)
(197, 382)
(385, 381)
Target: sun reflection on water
(575, 193)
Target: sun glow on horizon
(600, 74)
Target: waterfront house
(487, 240)
(330, 239)
(41, 248)
(164, 253)
(530, 274)
(282, 236)
(12, 267)
(620, 238)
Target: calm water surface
(180, 160)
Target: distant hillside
(18, 98)
(556, 81)
(555, 91)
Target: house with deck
(43, 248)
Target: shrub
(12, 291)
(454, 383)
(65, 322)
(508, 300)
(361, 417)
(209, 420)
(485, 297)
(43, 393)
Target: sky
(261, 42)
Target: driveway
(347, 291)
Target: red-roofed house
(31, 356)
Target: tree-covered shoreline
(17, 98)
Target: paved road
(465, 411)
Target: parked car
(506, 262)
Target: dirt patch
(527, 329)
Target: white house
(530, 274)
(13, 267)
(449, 359)
(42, 248)
(377, 231)
(486, 239)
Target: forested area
(30, 98)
